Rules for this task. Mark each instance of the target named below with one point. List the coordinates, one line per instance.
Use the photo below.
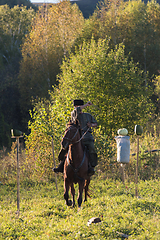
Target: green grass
(44, 215)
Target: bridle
(68, 139)
(71, 140)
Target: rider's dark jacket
(83, 119)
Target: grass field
(44, 215)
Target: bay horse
(76, 165)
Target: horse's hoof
(69, 203)
(79, 208)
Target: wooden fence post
(17, 134)
(136, 180)
(123, 173)
(54, 162)
(18, 178)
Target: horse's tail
(88, 194)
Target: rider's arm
(89, 124)
(85, 105)
(78, 109)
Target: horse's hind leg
(73, 195)
(66, 195)
(87, 182)
(81, 187)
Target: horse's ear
(70, 123)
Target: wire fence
(151, 151)
(148, 167)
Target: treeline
(87, 7)
(12, 3)
(15, 23)
(53, 55)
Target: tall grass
(44, 215)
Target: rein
(82, 136)
(70, 140)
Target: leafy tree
(46, 121)
(106, 77)
(136, 25)
(12, 3)
(157, 84)
(14, 24)
(133, 23)
(153, 46)
(53, 33)
(157, 92)
(110, 81)
(4, 129)
(39, 160)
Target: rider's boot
(91, 171)
(61, 158)
(60, 168)
(92, 163)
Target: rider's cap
(78, 102)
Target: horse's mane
(75, 123)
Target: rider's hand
(89, 124)
(89, 103)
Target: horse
(76, 165)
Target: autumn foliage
(52, 36)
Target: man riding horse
(86, 121)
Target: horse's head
(71, 135)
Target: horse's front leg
(81, 187)
(73, 195)
(66, 190)
(87, 182)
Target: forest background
(53, 54)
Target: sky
(44, 1)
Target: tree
(157, 92)
(106, 77)
(110, 80)
(53, 33)
(39, 158)
(136, 25)
(12, 3)
(14, 24)
(133, 23)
